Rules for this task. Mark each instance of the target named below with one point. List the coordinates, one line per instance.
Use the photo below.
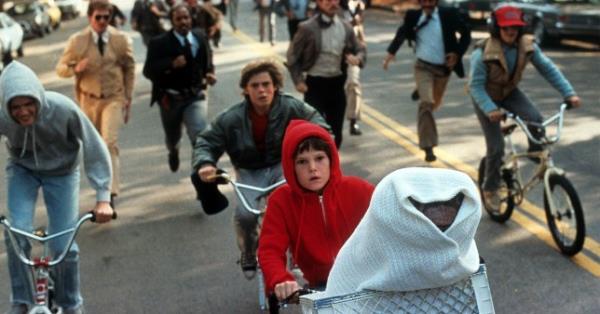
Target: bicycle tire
(507, 204)
(569, 213)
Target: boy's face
(312, 169)
(261, 91)
(23, 109)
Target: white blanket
(396, 248)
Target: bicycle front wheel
(565, 220)
(507, 202)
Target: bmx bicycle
(223, 178)
(564, 214)
(41, 274)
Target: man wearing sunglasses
(101, 59)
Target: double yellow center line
(588, 259)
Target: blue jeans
(61, 195)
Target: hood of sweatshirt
(296, 132)
(19, 80)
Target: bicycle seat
(508, 129)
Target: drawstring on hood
(19, 80)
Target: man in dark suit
(439, 52)
(179, 64)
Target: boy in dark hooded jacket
(313, 214)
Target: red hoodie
(294, 217)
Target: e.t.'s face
(23, 110)
(441, 213)
(312, 169)
(99, 20)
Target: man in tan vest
(101, 59)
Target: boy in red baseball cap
(497, 66)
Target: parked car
(69, 8)
(53, 11)
(32, 16)
(11, 38)
(552, 20)
(475, 12)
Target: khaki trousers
(431, 84)
(107, 116)
(353, 93)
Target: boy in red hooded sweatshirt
(313, 214)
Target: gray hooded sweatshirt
(51, 145)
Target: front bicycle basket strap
(471, 295)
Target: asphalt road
(163, 255)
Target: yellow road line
(406, 138)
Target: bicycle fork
(551, 170)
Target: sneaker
(415, 95)
(429, 155)
(174, 160)
(492, 200)
(18, 309)
(355, 129)
(249, 265)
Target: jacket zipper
(322, 209)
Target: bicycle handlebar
(545, 140)
(224, 178)
(43, 239)
(294, 298)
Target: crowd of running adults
(318, 209)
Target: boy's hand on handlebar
(285, 289)
(495, 116)
(207, 173)
(574, 100)
(103, 212)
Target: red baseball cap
(509, 16)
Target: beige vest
(500, 83)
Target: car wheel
(20, 51)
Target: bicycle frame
(40, 266)
(546, 165)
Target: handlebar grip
(93, 219)
(569, 104)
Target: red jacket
(294, 217)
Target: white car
(11, 38)
(69, 8)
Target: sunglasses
(99, 17)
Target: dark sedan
(476, 12)
(552, 20)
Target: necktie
(187, 49)
(427, 19)
(101, 44)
